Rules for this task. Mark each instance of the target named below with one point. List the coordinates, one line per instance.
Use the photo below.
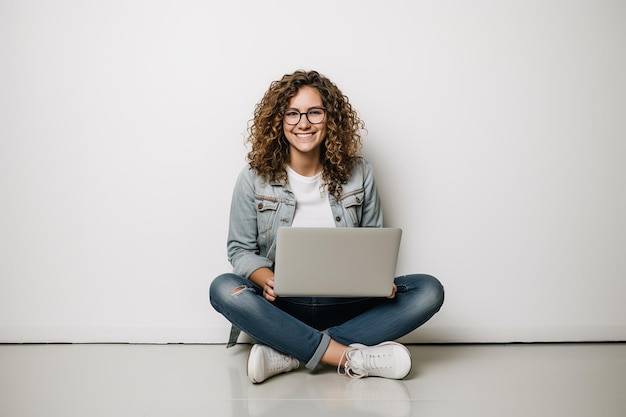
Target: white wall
(497, 130)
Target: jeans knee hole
(240, 289)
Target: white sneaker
(387, 360)
(265, 362)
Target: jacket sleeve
(242, 245)
(372, 215)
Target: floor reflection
(301, 394)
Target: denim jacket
(259, 207)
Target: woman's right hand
(268, 289)
(264, 278)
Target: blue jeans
(303, 327)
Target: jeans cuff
(319, 352)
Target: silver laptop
(335, 262)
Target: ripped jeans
(303, 327)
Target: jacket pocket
(266, 214)
(352, 204)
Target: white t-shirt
(312, 204)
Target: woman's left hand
(393, 292)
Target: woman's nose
(304, 121)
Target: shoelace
(358, 369)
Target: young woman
(305, 170)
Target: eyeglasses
(314, 116)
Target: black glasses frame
(306, 115)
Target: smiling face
(305, 139)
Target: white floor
(208, 380)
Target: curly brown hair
(340, 151)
